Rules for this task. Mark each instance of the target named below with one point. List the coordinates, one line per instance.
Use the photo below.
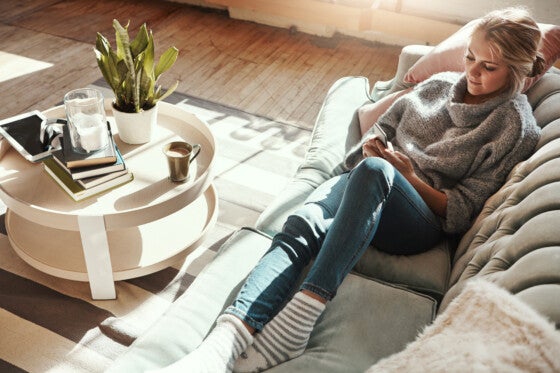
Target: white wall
(462, 11)
(397, 22)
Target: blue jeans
(372, 204)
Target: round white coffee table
(130, 231)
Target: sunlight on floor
(13, 66)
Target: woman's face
(486, 73)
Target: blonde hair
(515, 37)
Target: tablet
(23, 132)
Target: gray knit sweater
(464, 150)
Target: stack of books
(85, 175)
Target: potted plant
(132, 73)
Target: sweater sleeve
(388, 122)
(466, 199)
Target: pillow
(485, 329)
(449, 54)
(368, 113)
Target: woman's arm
(435, 199)
(388, 121)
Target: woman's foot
(285, 337)
(218, 352)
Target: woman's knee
(310, 220)
(373, 169)
(375, 165)
(306, 229)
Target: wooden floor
(263, 70)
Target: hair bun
(539, 67)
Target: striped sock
(284, 337)
(218, 351)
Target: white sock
(218, 351)
(284, 337)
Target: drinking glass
(87, 123)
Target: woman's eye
(469, 58)
(489, 68)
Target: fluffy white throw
(485, 329)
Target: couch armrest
(336, 130)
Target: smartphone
(381, 135)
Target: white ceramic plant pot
(136, 128)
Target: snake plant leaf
(168, 92)
(141, 41)
(148, 88)
(146, 59)
(124, 51)
(121, 38)
(102, 44)
(138, 90)
(142, 83)
(107, 69)
(106, 60)
(166, 60)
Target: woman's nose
(474, 70)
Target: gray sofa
(387, 300)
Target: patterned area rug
(52, 324)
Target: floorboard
(268, 71)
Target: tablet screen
(26, 131)
(23, 133)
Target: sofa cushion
(378, 319)
(427, 272)
(366, 321)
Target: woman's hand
(435, 199)
(399, 160)
(371, 147)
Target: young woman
(452, 142)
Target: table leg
(98, 259)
